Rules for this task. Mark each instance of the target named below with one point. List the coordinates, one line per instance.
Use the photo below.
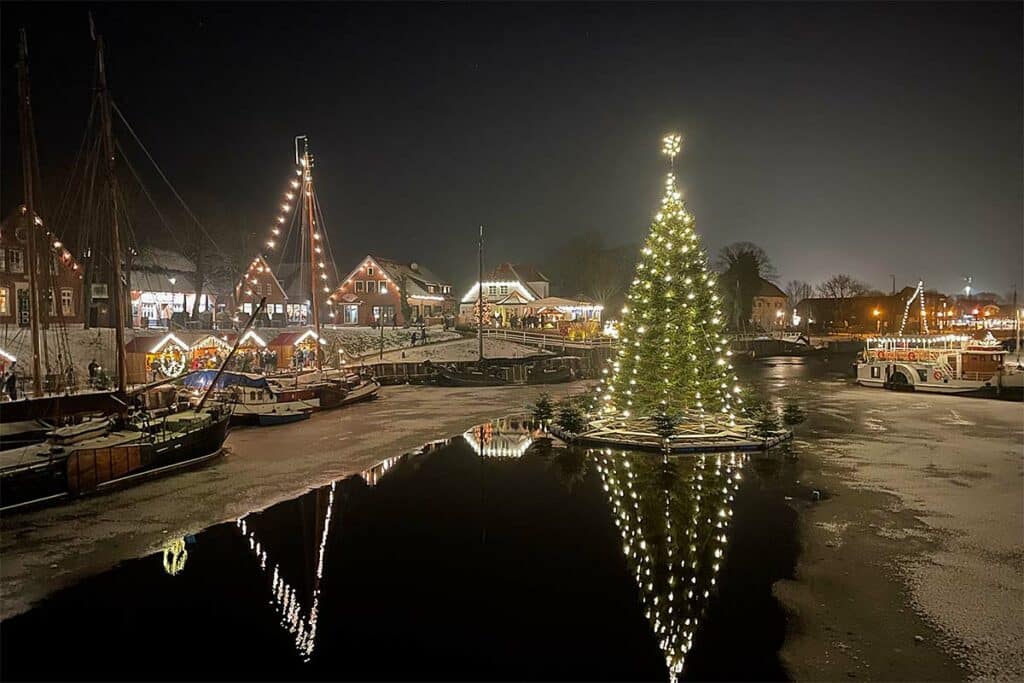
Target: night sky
(859, 138)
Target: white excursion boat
(946, 364)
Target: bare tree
(841, 286)
(797, 291)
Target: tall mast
(27, 170)
(117, 296)
(307, 169)
(480, 294)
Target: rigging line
(328, 249)
(287, 240)
(145, 191)
(64, 196)
(202, 227)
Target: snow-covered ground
(461, 350)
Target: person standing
(11, 383)
(414, 337)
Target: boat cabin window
(923, 374)
(252, 395)
(876, 372)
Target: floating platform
(695, 434)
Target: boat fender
(911, 356)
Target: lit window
(360, 286)
(3, 260)
(383, 287)
(5, 297)
(371, 286)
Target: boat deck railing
(547, 340)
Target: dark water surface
(489, 556)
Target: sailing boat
(129, 445)
(299, 391)
(23, 418)
(535, 370)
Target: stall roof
(154, 343)
(559, 302)
(292, 338)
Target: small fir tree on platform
(544, 409)
(570, 418)
(672, 355)
(766, 420)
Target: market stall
(295, 349)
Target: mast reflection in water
(489, 556)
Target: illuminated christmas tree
(672, 356)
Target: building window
(492, 289)
(351, 314)
(5, 299)
(504, 289)
(415, 311)
(14, 258)
(278, 308)
(247, 308)
(3, 260)
(52, 301)
(371, 286)
(430, 289)
(369, 270)
(67, 302)
(382, 287)
(360, 286)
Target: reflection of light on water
(175, 556)
(490, 442)
(674, 534)
(285, 598)
(374, 474)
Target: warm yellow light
(671, 144)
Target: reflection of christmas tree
(674, 517)
(672, 352)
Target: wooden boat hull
(85, 470)
(556, 376)
(448, 378)
(366, 391)
(59, 406)
(287, 417)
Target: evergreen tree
(672, 354)
(544, 409)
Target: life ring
(911, 356)
(937, 375)
(881, 355)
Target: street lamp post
(878, 321)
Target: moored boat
(941, 364)
(127, 450)
(274, 417)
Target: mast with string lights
(300, 216)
